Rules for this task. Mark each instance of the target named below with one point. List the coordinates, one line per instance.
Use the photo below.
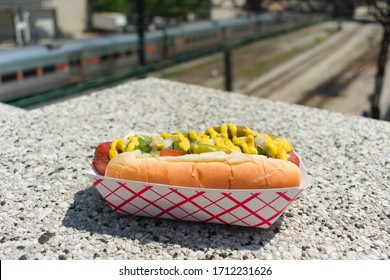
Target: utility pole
(381, 12)
(141, 31)
(228, 69)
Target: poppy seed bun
(209, 170)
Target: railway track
(333, 87)
(289, 74)
(337, 75)
(209, 72)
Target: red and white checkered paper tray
(252, 208)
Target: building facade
(26, 21)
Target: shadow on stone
(90, 212)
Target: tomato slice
(171, 153)
(293, 158)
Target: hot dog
(224, 157)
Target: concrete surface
(49, 210)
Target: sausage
(101, 157)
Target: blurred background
(325, 54)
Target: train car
(32, 69)
(120, 51)
(26, 70)
(190, 37)
(237, 27)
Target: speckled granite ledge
(7, 111)
(48, 209)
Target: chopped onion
(168, 143)
(260, 142)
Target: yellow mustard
(193, 136)
(218, 141)
(133, 143)
(277, 147)
(247, 144)
(166, 135)
(201, 138)
(232, 128)
(251, 132)
(117, 145)
(184, 142)
(284, 144)
(204, 139)
(226, 142)
(229, 136)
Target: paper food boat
(252, 208)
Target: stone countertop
(7, 110)
(49, 210)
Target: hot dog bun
(209, 170)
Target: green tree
(163, 8)
(120, 6)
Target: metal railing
(142, 70)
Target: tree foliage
(164, 8)
(380, 10)
(120, 6)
